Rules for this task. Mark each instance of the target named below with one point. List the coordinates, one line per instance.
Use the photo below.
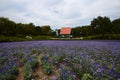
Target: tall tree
(101, 25)
(116, 26)
(7, 27)
(45, 30)
(37, 30)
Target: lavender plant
(27, 71)
(100, 59)
(47, 65)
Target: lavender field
(60, 60)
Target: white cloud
(58, 13)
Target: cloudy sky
(58, 13)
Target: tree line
(10, 28)
(99, 25)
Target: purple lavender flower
(94, 52)
(104, 67)
(118, 75)
(111, 71)
(54, 77)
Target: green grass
(16, 38)
(104, 37)
(42, 37)
(11, 39)
(94, 37)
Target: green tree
(76, 32)
(116, 26)
(28, 29)
(7, 27)
(10, 28)
(37, 30)
(101, 25)
(45, 30)
(20, 29)
(82, 31)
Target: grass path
(20, 75)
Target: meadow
(60, 60)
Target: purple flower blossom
(54, 77)
(99, 70)
(104, 67)
(111, 71)
(98, 55)
(118, 75)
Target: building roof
(65, 30)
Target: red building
(65, 32)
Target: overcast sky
(58, 13)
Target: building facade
(65, 32)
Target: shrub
(33, 51)
(47, 68)
(15, 70)
(56, 60)
(34, 64)
(9, 73)
(66, 74)
(27, 71)
(47, 65)
(87, 77)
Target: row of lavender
(95, 60)
(16, 55)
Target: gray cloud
(58, 13)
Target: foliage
(11, 31)
(77, 60)
(10, 28)
(16, 38)
(57, 59)
(47, 65)
(100, 28)
(8, 72)
(116, 26)
(65, 74)
(15, 70)
(33, 64)
(47, 68)
(101, 25)
(42, 37)
(104, 37)
(11, 39)
(87, 77)
(27, 71)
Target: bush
(11, 38)
(27, 71)
(47, 65)
(42, 37)
(57, 59)
(47, 68)
(87, 77)
(66, 74)
(9, 73)
(15, 70)
(34, 64)
(104, 36)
